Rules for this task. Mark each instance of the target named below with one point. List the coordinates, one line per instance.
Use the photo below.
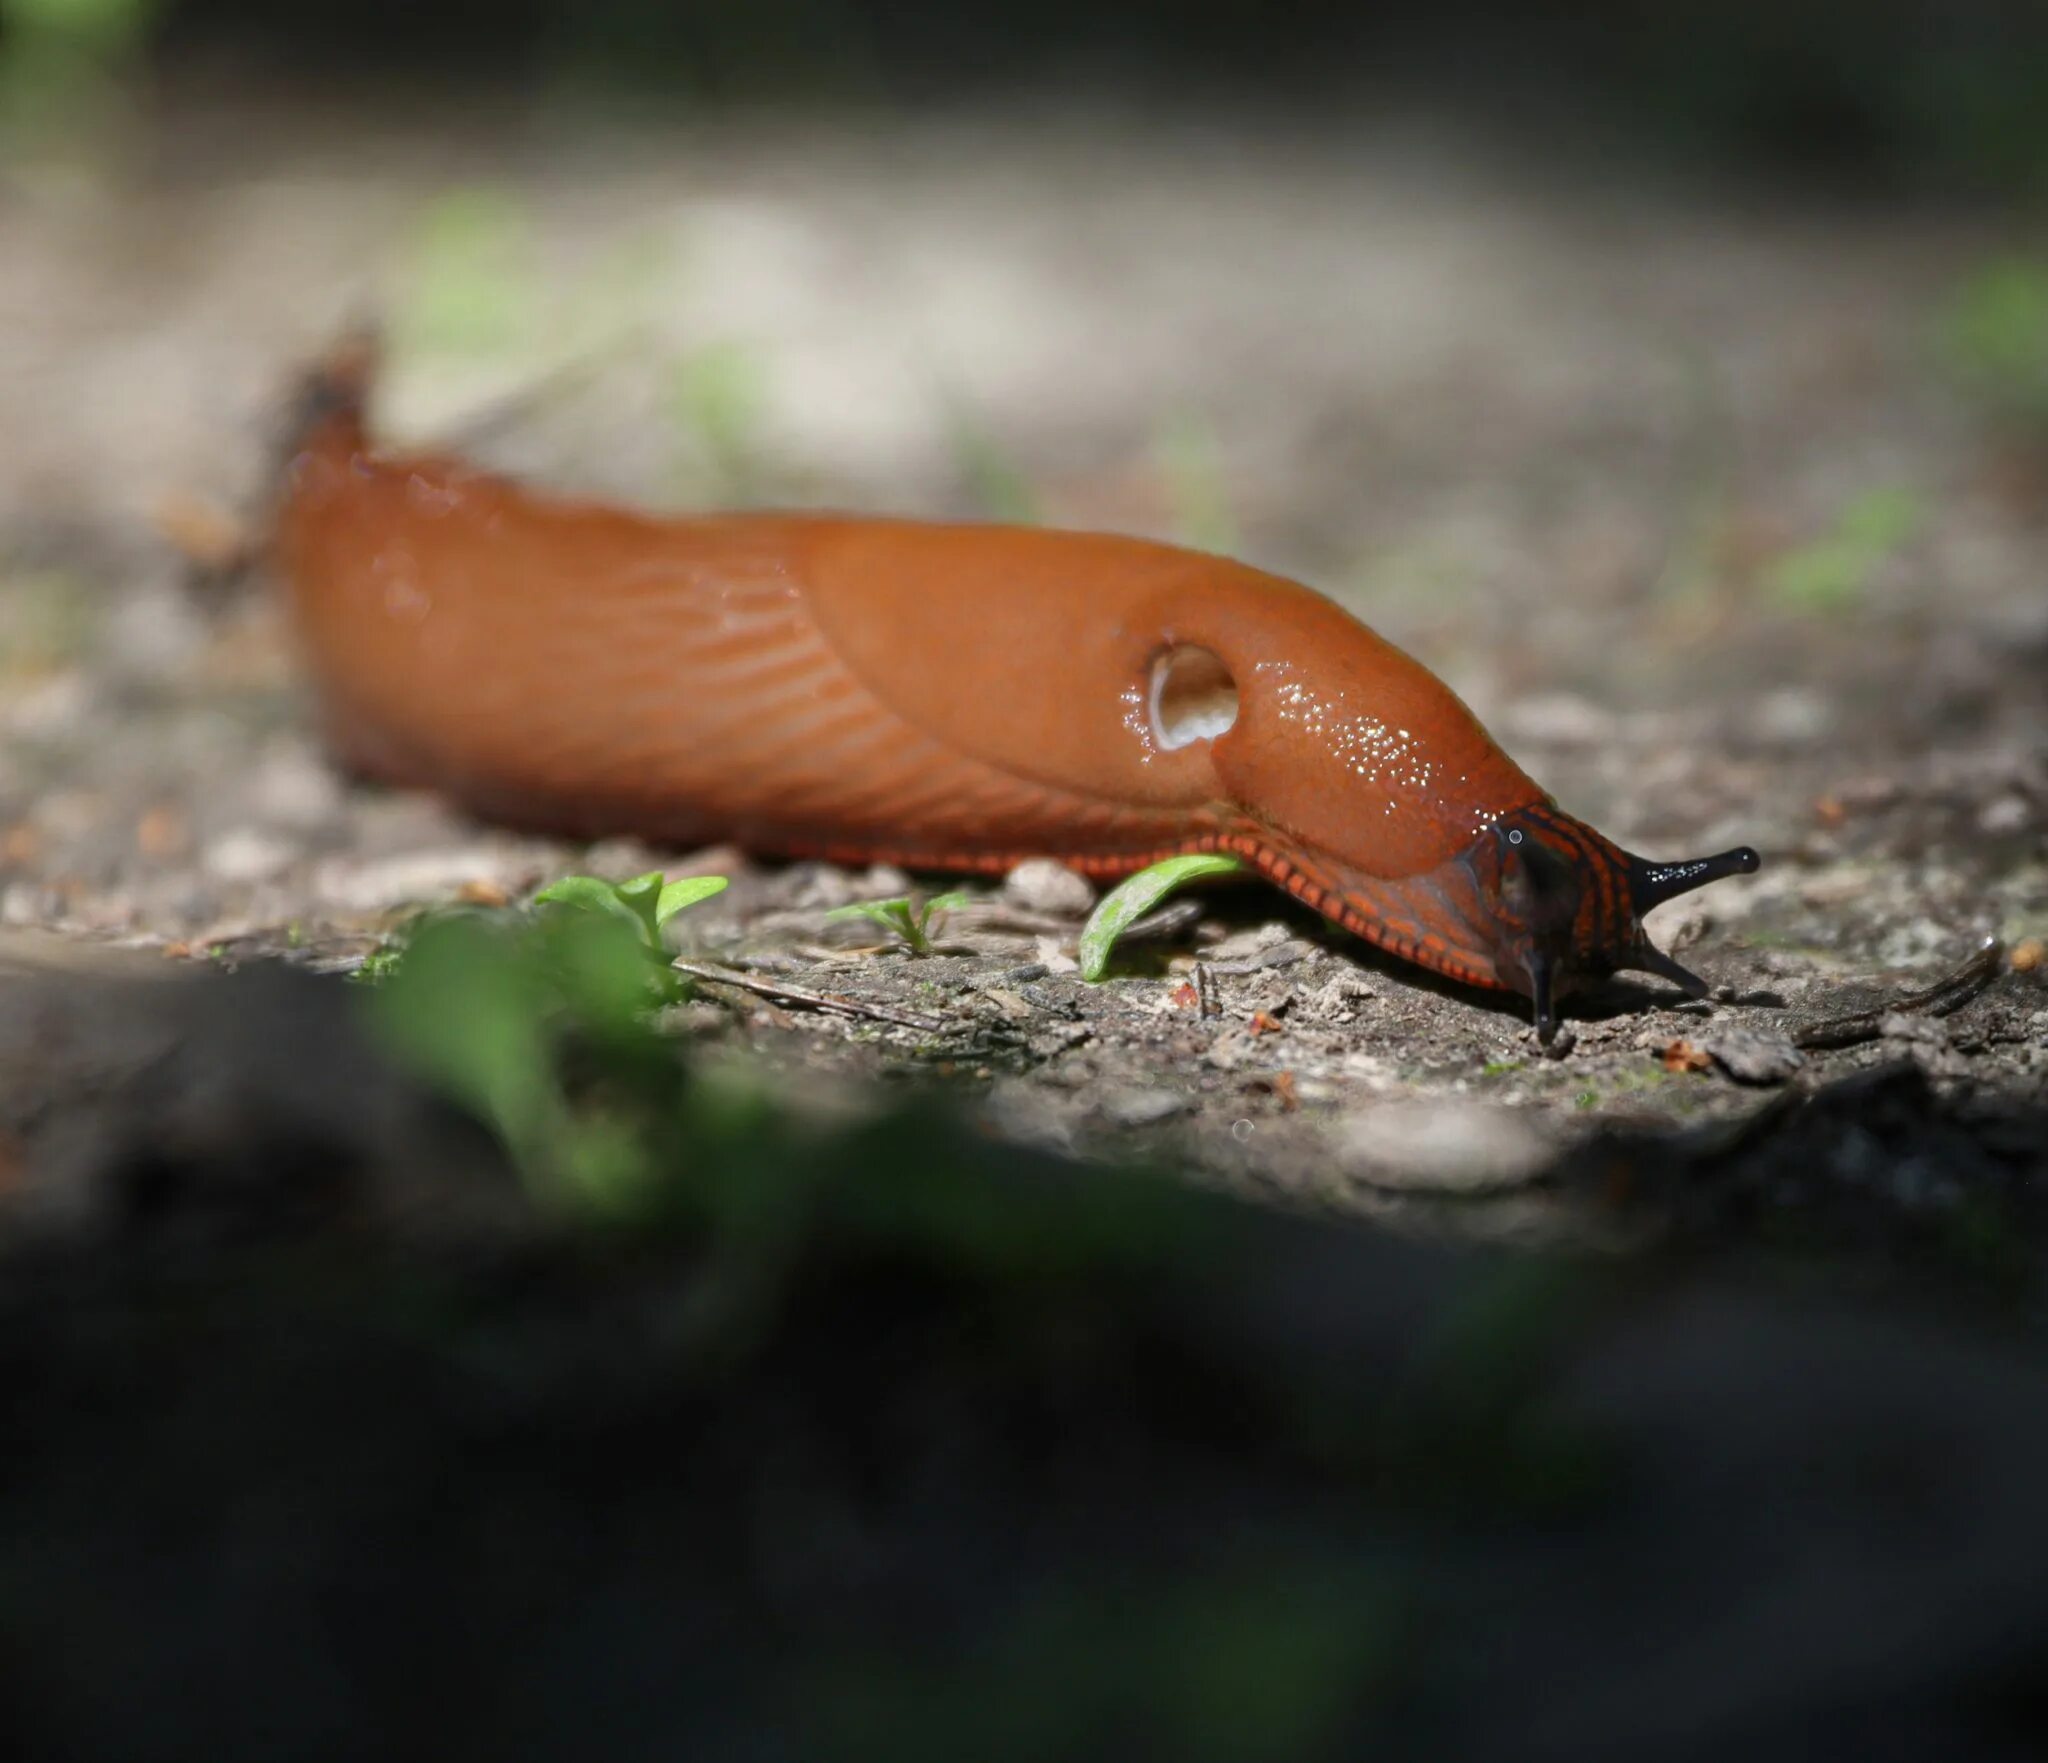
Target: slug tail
(332, 397)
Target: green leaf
(94, 21)
(881, 911)
(688, 891)
(904, 915)
(464, 1009)
(632, 901)
(1130, 900)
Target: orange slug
(938, 696)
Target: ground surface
(1596, 455)
(931, 1443)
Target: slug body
(950, 697)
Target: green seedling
(717, 396)
(1836, 568)
(472, 278)
(480, 1003)
(908, 918)
(1004, 492)
(1190, 465)
(647, 902)
(644, 904)
(68, 64)
(1132, 898)
(1995, 335)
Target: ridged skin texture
(946, 696)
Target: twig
(777, 992)
(1946, 996)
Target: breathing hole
(1193, 696)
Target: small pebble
(1752, 1056)
(1560, 719)
(412, 879)
(1141, 1107)
(1255, 941)
(1042, 885)
(1924, 1039)
(248, 854)
(1446, 1146)
(1337, 999)
(1791, 716)
(294, 789)
(1012, 1006)
(2005, 814)
(1234, 1047)
(1055, 959)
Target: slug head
(1567, 905)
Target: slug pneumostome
(939, 696)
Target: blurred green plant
(1702, 497)
(46, 620)
(545, 1025)
(717, 397)
(480, 1005)
(1269, 1655)
(1004, 492)
(907, 917)
(1834, 570)
(477, 1006)
(65, 65)
(1137, 895)
(469, 283)
(1190, 465)
(1995, 336)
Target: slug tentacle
(947, 696)
(1651, 884)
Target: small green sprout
(381, 962)
(647, 902)
(1132, 898)
(1995, 335)
(64, 63)
(478, 1003)
(717, 396)
(1190, 463)
(910, 919)
(1003, 490)
(472, 278)
(1835, 569)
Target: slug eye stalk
(1651, 884)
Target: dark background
(1889, 92)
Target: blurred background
(1672, 379)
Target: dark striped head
(1568, 905)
